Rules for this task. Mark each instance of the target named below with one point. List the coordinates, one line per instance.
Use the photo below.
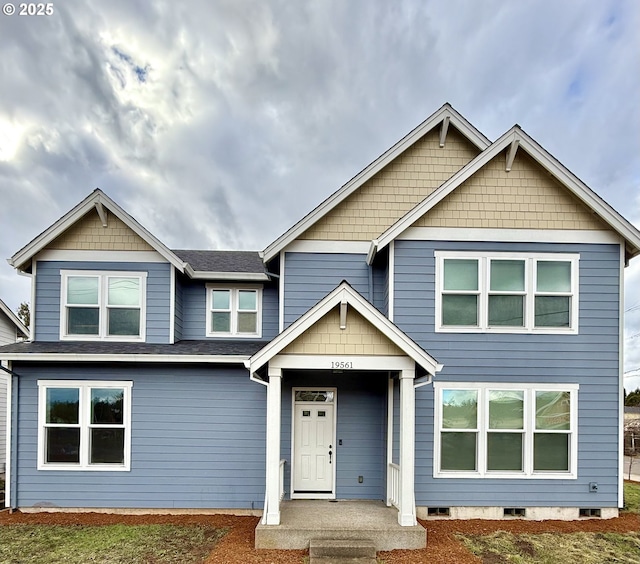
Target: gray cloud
(219, 125)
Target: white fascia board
(344, 292)
(460, 123)
(96, 198)
(137, 358)
(542, 157)
(236, 276)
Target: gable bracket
(443, 130)
(102, 213)
(343, 313)
(511, 153)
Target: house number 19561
(341, 364)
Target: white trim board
(85, 357)
(99, 256)
(509, 235)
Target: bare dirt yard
(237, 545)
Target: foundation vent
(438, 512)
(590, 512)
(515, 512)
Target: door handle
(330, 453)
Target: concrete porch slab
(304, 520)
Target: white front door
(313, 449)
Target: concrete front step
(340, 548)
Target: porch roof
(344, 294)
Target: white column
(272, 498)
(407, 512)
(389, 438)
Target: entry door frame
(301, 495)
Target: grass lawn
(586, 548)
(112, 544)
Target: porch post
(272, 498)
(407, 511)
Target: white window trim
(103, 276)
(234, 311)
(528, 431)
(530, 292)
(85, 387)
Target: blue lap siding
(197, 440)
(589, 359)
(48, 285)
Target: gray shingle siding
(589, 359)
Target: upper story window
(495, 430)
(84, 425)
(234, 312)
(506, 292)
(103, 305)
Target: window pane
(62, 444)
(507, 275)
(221, 299)
(459, 310)
(124, 321)
(461, 274)
(124, 291)
(458, 451)
(506, 311)
(314, 395)
(504, 451)
(107, 446)
(506, 409)
(459, 409)
(552, 311)
(247, 299)
(551, 452)
(82, 290)
(82, 320)
(553, 411)
(107, 405)
(221, 322)
(63, 405)
(247, 322)
(553, 276)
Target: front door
(313, 449)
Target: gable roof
(445, 114)
(515, 139)
(344, 293)
(14, 319)
(98, 200)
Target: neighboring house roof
(513, 140)
(13, 318)
(224, 265)
(98, 200)
(209, 351)
(344, 294)
(445, 115)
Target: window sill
(510, 330)
(78, 468)
(95, 339)
(507, 475)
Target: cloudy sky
(218, 124)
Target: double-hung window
(103, 305)
(84, 425)
(506, 430)
(234, 312)
(506, 292)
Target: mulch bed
(237, 546)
